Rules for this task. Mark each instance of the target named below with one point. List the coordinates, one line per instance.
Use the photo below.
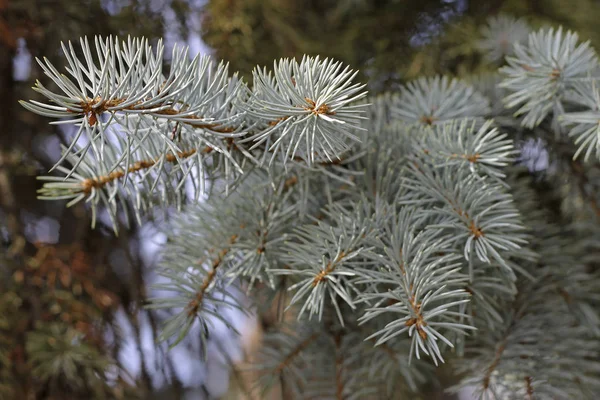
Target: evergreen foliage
(401, 227)
(58, 310)
(38, 236)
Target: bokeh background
(71, 295)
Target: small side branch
(418, 319)
(472, 158)
(328, 269)
(470, 222)
(195, 304)
(294, 353)
(494, 364)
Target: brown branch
(529, 387)
(195, 304)
(96, 106)
(328, 269)
(494, 364)
(323, 163)
(418, 319)
(290, 182)
(276, 121)
(301, 346)
(100, 181)
(427, 120)
(323, 109)
(472, 158)
(475, 230)
(94, 183)
(519, 313)
(92, 108)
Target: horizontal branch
(92, 108)
(96, 106)
(98, 182)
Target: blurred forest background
(72, 322)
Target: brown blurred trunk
(243, 381)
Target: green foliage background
(377, 36)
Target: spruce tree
(67, 292)
(402, 232)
